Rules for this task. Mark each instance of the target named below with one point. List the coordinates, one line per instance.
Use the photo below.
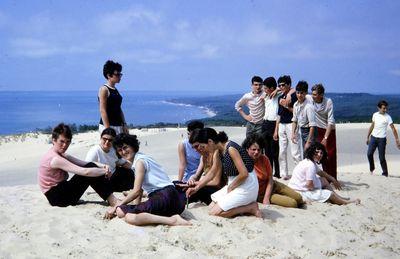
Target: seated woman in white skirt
(239, 196)
(308, 184)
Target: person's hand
(192, 181)
(266, 202)
(367, 141)
(324, 141)
(398, 143)
(111, 213)
(107, 172)
(275, 137)
(336, 184)
(294, 138)
(190, 191)
(248, 118)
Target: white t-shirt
(271, 108)
(304, 171)
(381, 122)
(155, 177)
(96, 154)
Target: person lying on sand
(164, 203)
(54, 168)
(308, 184)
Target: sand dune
(30, 227)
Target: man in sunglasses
(122, 177)
(254, 100)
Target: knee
(291, 203)
(131, 219)
(120, 213)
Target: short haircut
(257, 79)
(381, 103)
(195, 125)
(270, 82)
(253, 139)
(109, 131)
(319, 88)
(130, 140)
(61, 129)
(302, 86)
(310, 151)
(110, 67)
(285, 79)
(203, 135)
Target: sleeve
(92, 155)
(280, 107)
(294, 118)
(240, 103)
(331, 119)
(311, 116)
(310, 172)
(293, 99)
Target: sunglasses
(118, 74)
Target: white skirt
(320, 195)
(244, 194)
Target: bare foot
(179, 221)
(356, 201)
(255, 210)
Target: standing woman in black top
(110, 100)
(240, 194)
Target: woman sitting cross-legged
(164, 203)
(240, 195)
(308, 184)
(210, 164)
(270, 191)
(54, 168)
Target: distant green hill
(354, 107)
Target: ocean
(26, 111)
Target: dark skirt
(167, 201)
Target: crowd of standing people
(230, 178)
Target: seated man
(122, 177)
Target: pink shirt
(47, 176)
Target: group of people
(230, 178)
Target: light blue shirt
(192, 160)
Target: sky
(210, 46)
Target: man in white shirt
(271, 146)
(122, 177)
(376, 137)
(303, 118)
(254, 100)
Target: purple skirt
(167, 201)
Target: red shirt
(263, 170)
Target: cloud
(146, 56)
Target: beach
(31, 228)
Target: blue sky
(213, 46)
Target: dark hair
(110, 67)
(61, 129)
(195, 125)
(109, 131)
(270, 82)
(302, 86)
(252, 139)
(319, 88)
(381, 103)
(130, 140)
(285, 79)
(203, 135)
(256, 79)
(310, 151)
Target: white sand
(30, 227)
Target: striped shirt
(255, 103)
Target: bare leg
(336, 199)
(143, 219)
(112, 200)
(251, 208)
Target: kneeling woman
(240, 195)
(308, 184)
(270, 191)
(165, 202)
